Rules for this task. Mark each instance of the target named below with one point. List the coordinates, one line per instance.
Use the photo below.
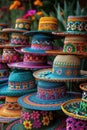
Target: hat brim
(57, 52)
(69, 33)
(47, 75)
(57, 125)
(3, 80)
(29, 50)
(12, 46)
(11, 30)
(7, 119)
(5, 91)
(23, 65)
(31, 33)
(31, 101)
(70, 107)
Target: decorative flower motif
(27, 125)
(26, 116)
(35, 115)
(59, 71)
(69, 48)
(37, 124)
(46, 120)
(80, 27)
(27, 26)
(44, 113)
(73, 27)
(85, 27)
(21, 25)
(68, 26)
(68, 72)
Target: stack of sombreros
(17, 39)
(4, 39)
(75, 44)
(20, 82)
(51, 93)
(77, 111)
(75, 36)
(42, 40)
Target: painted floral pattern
(36, 119)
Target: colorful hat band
(12, 106)
(75, 47)
(48, 26)
(21, 85)
(36, 119)
(22, 25)
(42, 45)
(66, 71)
(19, 39)
(51, 93)
(34, 59)
(77, 26)
(4, 73)
(75, 124)
(11, 55)
(75, 39)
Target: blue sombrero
(49, 96)
(20, 82)
(41, 41)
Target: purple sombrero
(31, 61)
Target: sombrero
(76, 25)
(77, 108)
(39, 122)
(21, 25)
(31, 61)
(41, 41)
(75, 124)
(20, 82)
(4, 72)
(17, 37)
(49, 96)
(65, 68)
(42, 38)
(10, 111)
(9, 55)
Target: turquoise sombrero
(20, 82)
(65, 68)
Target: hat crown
(77, 24)
(48, 24)
(20, 76)
(21, 80)
(22, 24)
(66, 66)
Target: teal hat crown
(21, 79)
